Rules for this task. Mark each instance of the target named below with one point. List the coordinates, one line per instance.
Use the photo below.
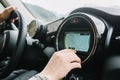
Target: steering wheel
(19, 44)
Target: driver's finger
(69, 55)
(75, 65)
(14, 19)
(72, 57)
(10, 8)
(67, 51)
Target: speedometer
(32, 28)
(36, 29)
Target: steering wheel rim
(17, 52)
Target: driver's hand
(60, 64)
(6, 13)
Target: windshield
(50, 10)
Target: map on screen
(77, 41)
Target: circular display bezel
(77, 23)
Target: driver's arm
(59, 65)
(6, 13)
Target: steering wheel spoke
(19, 42)
(13, 26)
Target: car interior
(27, 44)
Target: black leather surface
(21, 75)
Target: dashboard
(92, 32)
(81, 31)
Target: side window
(1, 7)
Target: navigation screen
(79, 41)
